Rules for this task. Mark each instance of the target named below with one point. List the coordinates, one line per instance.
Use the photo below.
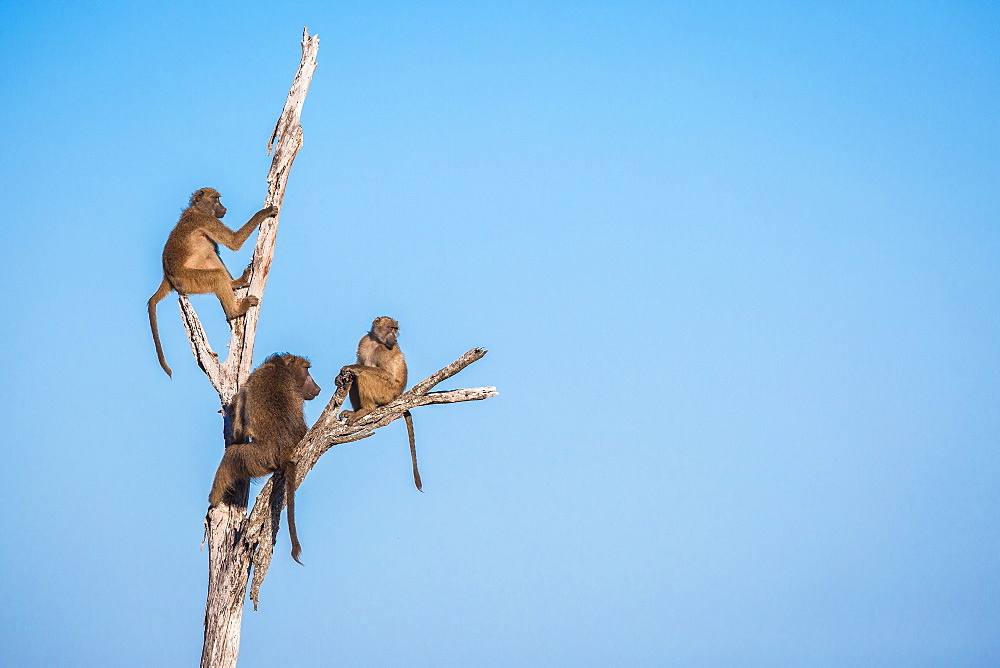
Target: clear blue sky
(736, 265)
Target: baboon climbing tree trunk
(240, 546)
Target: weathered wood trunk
(229, 553)
(240, 546)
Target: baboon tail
(290, 497)
(413, 451)
(161, 292)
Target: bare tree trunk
(228, 572)
(239, 545)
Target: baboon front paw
(345, 377)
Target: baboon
(267, 422)
(191, 261)
(380, 377)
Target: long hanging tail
(161, 292)
(413, 451)
(290, 497)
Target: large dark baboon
(267, 423)
(380, 377)
(191, 261)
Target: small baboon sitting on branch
(380, 377)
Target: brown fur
(192, 264)
(267, 422)
(380, 377)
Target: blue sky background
(736, 265)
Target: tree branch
(207, 358)
(264, 522)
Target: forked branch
(286, 140)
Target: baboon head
(385, 330)
(299, 368)
(209, 201)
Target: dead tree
(241, 545)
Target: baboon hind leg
(241, 461)
(234, 308)
(243, 280)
